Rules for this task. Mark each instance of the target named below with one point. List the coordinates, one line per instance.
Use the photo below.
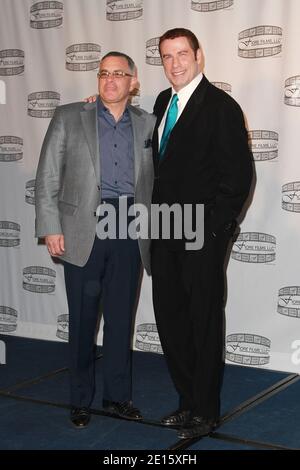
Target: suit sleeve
(152, 122)
(48, 178)
(235, 166)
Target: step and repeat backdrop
(49, 55)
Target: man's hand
(55, 244)
(91, 99)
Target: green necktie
(169, 124)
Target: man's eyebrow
(178, 52)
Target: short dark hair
(178, 33)
(121, 54)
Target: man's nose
(110, 78)
(176, 62)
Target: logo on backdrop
(83, 57)
(292, 91)
(264, 145)
(204, 7)
(248, 349)
(11, 148)
(291, 197)
(152, 52)
(9, 234)
(62, 331)
(260, 41)
(123, 10)
(45, 15)
(254, 247)
(30, 192)
(289, 301)
(8, 319)
(223, 86)
(42, 104)
(39, 279)
(147, 338)
(11, 62)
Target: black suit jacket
(207, 159)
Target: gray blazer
(68, 175)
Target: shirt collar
(186, 92)
(101, 108)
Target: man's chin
(110, 98)
(178, 82)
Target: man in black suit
(203, 159)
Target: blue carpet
(26, 425)
(276, 420)
(30, 426)
(28, 358)
(153, 390)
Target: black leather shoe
(80, 417)
(197, 427)
(178, 418)
(123, 409)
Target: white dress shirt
(183, 96)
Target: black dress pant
(188, 297)
(111, 274)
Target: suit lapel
(159, 111)
(90, 126)
(138, 123)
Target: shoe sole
(199, 435)
(174, 425)
(118, 415)
(81, 426)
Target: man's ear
(135, 84)
(199, 56)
